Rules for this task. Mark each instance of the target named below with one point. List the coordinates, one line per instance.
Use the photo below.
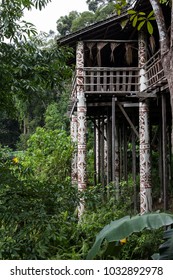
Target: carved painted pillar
(74, 140)
(144, 136)
(96, 151)
(81, 120)
(115, 151)
(105, 153)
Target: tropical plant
(121, 229)
(37, 218)
(165, 249)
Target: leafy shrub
(37, 213)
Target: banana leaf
(124, 227)
(166, 249)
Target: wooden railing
(111, 80)
(121, 81)
(154, 72)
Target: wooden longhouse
(119, 86)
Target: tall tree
(28, 65)
(93, 5)
(64, 23)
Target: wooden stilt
(125, 152)
(95, 153)
(102, 153)
(164, 153)
(134, 170)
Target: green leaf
(122, 228)
(166, 249)
(150, 14)
(150, 27)
(140, 25)
(135, 21)
(152, 18)
(141, 18)
(131, 12)
(132, 17)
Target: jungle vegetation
(38, 204)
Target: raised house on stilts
(119, 86)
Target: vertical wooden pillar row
(144, 136)
(81, 119)
(73, 130)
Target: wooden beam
(110, 41)
(128, 119)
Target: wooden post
(144, 137)
(99, 152)
(113, 139)
(115, 151)
(105, 152)
(134, 170)
(95, 153)
(125, 152)
(108, 148)
(81, 118)
(74, 158)
(164, 154)
(102, 153)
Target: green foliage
(75, 21)
(11, 25)
(64, 23)
(119, 5)
(37, 217)
(49, 155)
(166, 249)
(85, 19)
(124, 227)
(94, 5)
(141, 246)
(142, 19)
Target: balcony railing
(120, 81)
(106, 80)
(111, 80)
(154, 72)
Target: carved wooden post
(115, 151)
(144, 138)
(97, 151)
(74, 140)
(105, 153)
(81, 119)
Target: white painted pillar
(74, 137)
(144, 136)
(81, 120)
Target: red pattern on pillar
(74, 159)
(82, 123)
(144, 146)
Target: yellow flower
(123, 241)
(15, 160)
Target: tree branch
(164, 39)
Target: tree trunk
(166, 45)
(167, 63)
